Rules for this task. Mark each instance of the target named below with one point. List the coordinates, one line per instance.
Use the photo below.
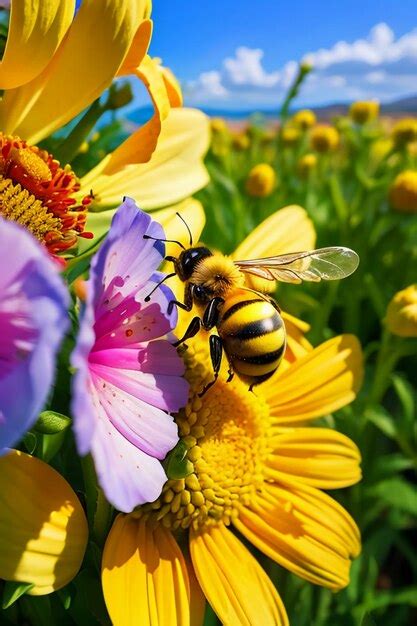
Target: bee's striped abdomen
(253, 335)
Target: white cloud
(376, 66)
(246, 69)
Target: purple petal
(33, 321)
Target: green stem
(389, 354)
(99, 510)
(339, 203)
(69, 148)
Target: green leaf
(30, 441)
(396, 493)
(383, 420)
(405, 394)
(176, 464)
(13, 591)
(50, 445)
(51, 423)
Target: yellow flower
(364, 111)
(261, 181)
(43, 529)
(240, 141)
(304, 119)
(290, 136)
(306, 164)
(324, 138)
(49, 75)
(401, 318)
(218, 125)
(403, 192)
(257, 467)
(404, 131)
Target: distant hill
(399, 107)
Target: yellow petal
(287, 230)
(83, 67)
(138, 49)
(43, 529)
(319, 457)
(297, 344)
(318, 383)
(303, 530)
(197, 597)
(234, 583)
(36, 29)
(175, 171)
(140, 145)
(144, 575)
(172, 86)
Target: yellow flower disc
(324, 138)
(304, 119)
(43, 529)
(401, 318)
(403, 192)
(306, 164)
(364, 111)
(261, 181)
(404, 132)
(290, 136)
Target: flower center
(36, 192)
(226, 433)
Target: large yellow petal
(43, 529)
(287, 230)
(144, 575)
(319, 457)
(140, 145)
(304, 530)
(85, 64)
(36, 29)
(234, 583)
(322, 381)
(175, 171)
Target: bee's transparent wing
(323, 264)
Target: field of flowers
(128, 496)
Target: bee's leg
(187, 305)
(211, 313)
(231, 374)
(191, 331)
(216, 351)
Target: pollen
(226, 433)
(38, 193)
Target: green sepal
(176, 463)
(51, 423)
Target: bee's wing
(322, 264)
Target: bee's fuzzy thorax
(219, 273)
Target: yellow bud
(83, 149)
(324, 138)
(364, 111)
(404, 132)
(218, 125)
(306, 164)
(403, 192)
(261, 181)
(241, 141)
(43, 526)
(304, 119)
(290, 136)
(401, 318)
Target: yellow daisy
(56, 64)
(252, 464)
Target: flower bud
(403, 192)
(290, 136)
(306, 164)
(401, 318)
(324, 138)
(364, 111)
(241, 141)
(261, 181)
(404, 132)
(304, 119)
(43, 529)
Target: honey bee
(250, 329)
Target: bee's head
(188, 260)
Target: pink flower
(129, 376)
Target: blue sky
(241, 53)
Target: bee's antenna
(187, 227)
(148, 297)
(165, 240)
